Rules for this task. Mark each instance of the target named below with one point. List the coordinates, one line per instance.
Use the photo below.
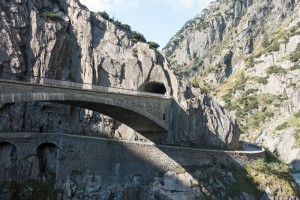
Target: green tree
(137, 37)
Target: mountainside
(247, 55)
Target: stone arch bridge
(146, 113)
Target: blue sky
(157, 20)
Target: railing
(69, 84)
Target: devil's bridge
(146, 113)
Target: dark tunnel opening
(155, 87)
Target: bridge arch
(47, 156)
(137, 117)
(8, 156)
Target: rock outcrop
(63, 40)
(246, 55)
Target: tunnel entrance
(155, 87)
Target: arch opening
(46, 154)
(8, 157)
(155, 87)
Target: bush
(153, 45)
(297, 115)
(296, 139)
(126, 27)
(273, 47)
(295, 55)
(227, 97)
(120, 25)
(262, 80)
(137, 37)
(275, 70)
(294, 67)
(105, 15)
(250, 63)
(265, 41)
(51, 16)
(282, 126)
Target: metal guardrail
(76, 85)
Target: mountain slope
(246, 54)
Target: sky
(157, 20)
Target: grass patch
(280, 36)
(247, 108)
(267, 99)
(275, 176)
(293, 122)
(230, 83)
(260, 117)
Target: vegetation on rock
(51, 16)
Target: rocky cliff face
(61, 39)
(246, 54)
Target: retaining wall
(114, 161)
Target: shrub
(227, 97)
(294, 67)
(260, 117)
(153, 45)
(297, 115)
(262, 80)
(265, 41)
(120, 25)
(295, 55)
(282, 126)
(137, 37)
(105, 15)
(250, 63)
(273, 47)
(275, 70)
(296, 138)
(126, 27)
(51, 16)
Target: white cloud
(109, 5)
